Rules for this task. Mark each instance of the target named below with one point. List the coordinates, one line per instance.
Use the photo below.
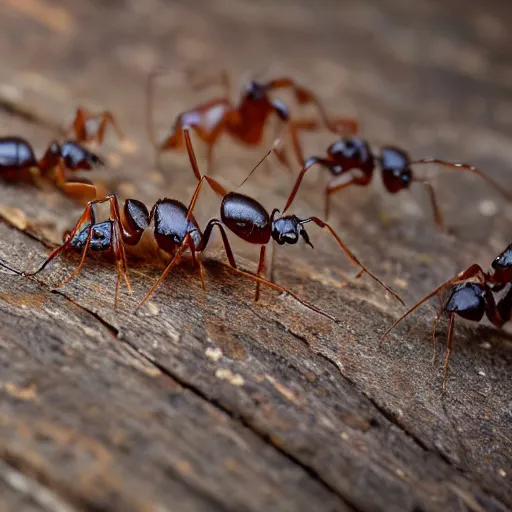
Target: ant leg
(80, 125)
(448, 351)
(175, 260)
(472, 271)
(434, 329)
(196, 261)
(229, 253)
(107, 118)
(206, 238)
(309, 164)
(80, 191)
(467, 167)
(335, 185)
(305, 96)
(261, 269)
(118, 246)
(273, 261)
(84, 190)
(438, 216)
(354, 260)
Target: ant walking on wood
(18, 163)
(166, 232)
(245, 121)
(471, 297)
(351, 161)
(251, 222)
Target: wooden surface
(208, 401)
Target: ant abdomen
(468, 300)
(16, 153)
(246, 217)
(171, 225)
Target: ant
(18, 163)
(245, 121)
(351, 161)
(251, 222)
(472, 300)
(165, 232)
(79, 128)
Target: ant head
(255, 92)
(468, 300)
(396, 169)
(101, 239)
(77, 157)
(288, 230)
(503, 262)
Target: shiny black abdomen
(16, 153)
(136, 215)
(468, 300)
(246, 218)
(171, 225)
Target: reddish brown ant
(166, 232)
(18, 163)
(351, 161)
(251, 222)
(82, 120)
(472, 300)
(245, 122)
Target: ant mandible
(251, 222)
(18, 163)
(82, 120)
(165, 232)
(472, 300)
(245, 122)
(351, 161)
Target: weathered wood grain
(208, 401)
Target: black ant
(165, 232)
(351, 161)
(18, 163)
(472, 300)
(245, 122)
(251, 222)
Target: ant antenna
(271, 150)
(467, 167)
